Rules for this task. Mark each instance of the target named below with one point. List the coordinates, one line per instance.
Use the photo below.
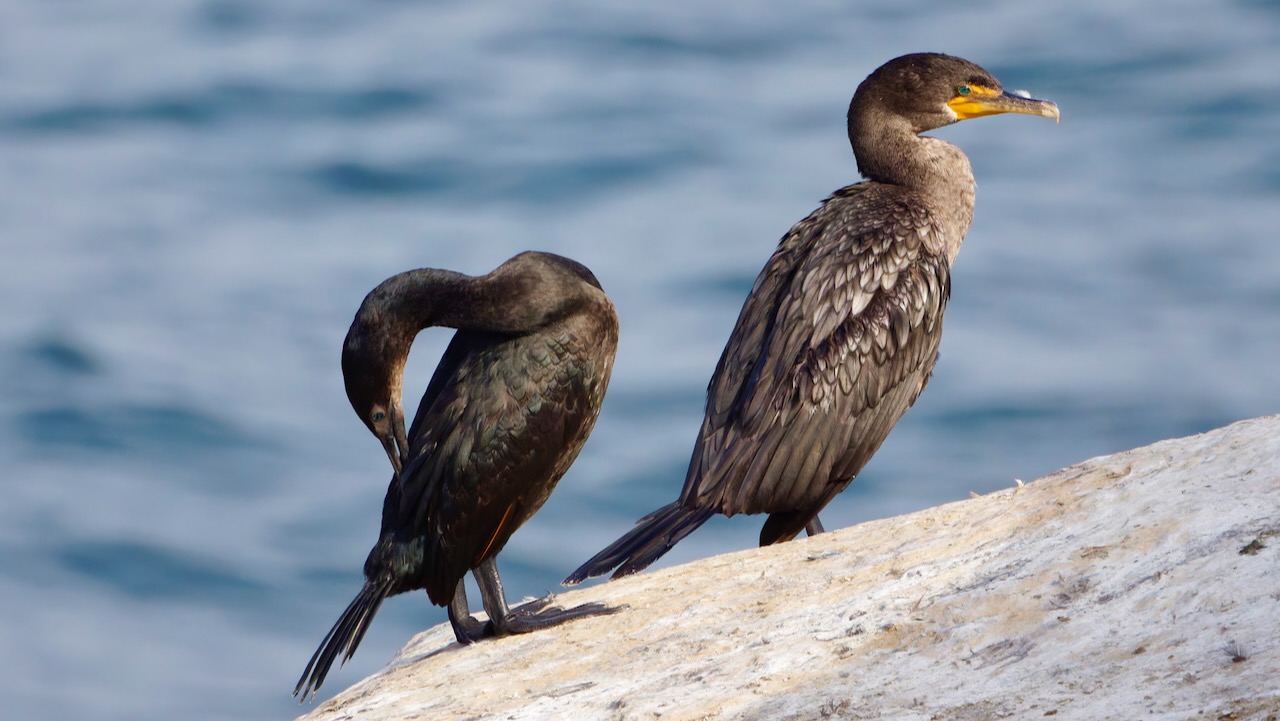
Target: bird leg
(813, 527)
(466, 628)
(533, 616)
(783, 526)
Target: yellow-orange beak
(985, 101)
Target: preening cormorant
(512, 401)
(841, 329)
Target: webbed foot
(539, 614)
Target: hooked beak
(402, 443)
(394, 441)
(393, 455)
(979, 104)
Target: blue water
(195, 195)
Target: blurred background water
(196, 194)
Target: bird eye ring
(962, 90)
(378, 416)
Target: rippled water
(194, 197)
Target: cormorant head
(930, 90)
(373, 372)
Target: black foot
(534, 606)
(783, 526)
(532, 616)
(466, 628)
(469, 629)
(540, 614)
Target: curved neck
(890, 151)
(522, 295)
(507, 300)
(408, 302)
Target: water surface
(196, 195)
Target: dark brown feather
(855, 310)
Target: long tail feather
(653, 536)
(343, 638)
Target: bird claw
(534, 607)
(540, 613)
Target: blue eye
(963, 90)
(379, 415)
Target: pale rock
(1140, 585)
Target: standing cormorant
(841, 329)
(510, 404)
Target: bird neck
(514, 298)
(378, 342)
(418, 299)
(891, 152)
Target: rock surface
(1144, 584)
